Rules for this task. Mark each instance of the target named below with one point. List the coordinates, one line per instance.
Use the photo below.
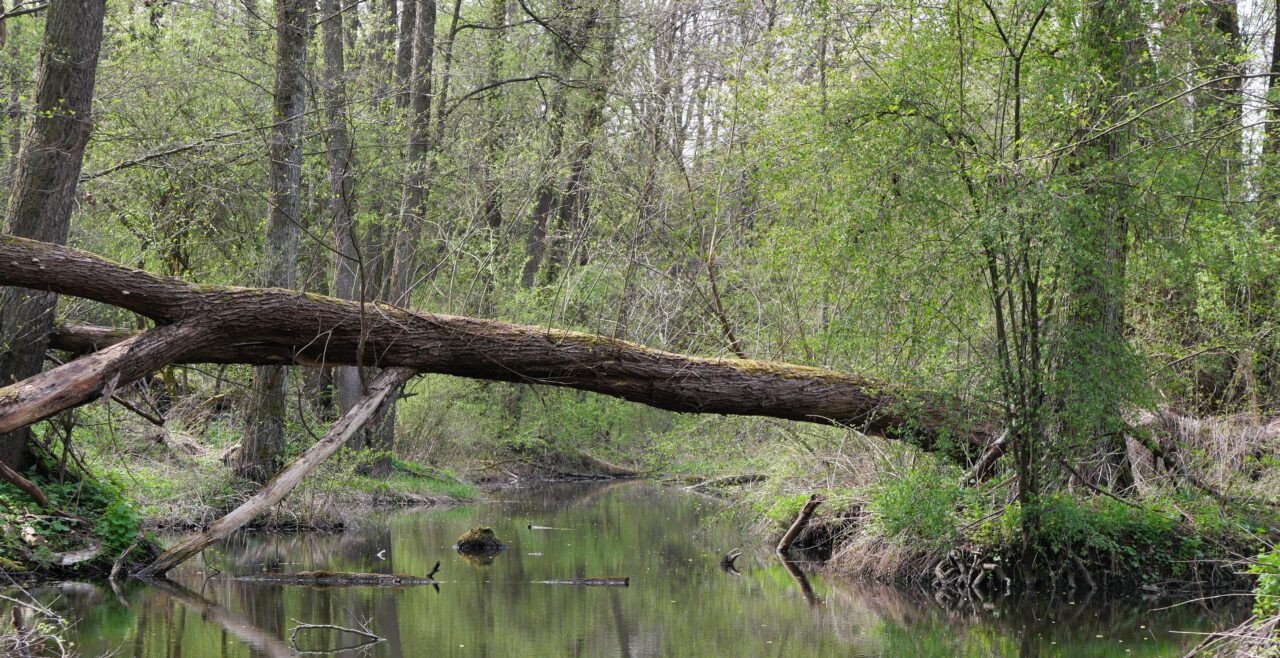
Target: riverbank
(170, 495)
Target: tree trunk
(1096, 241)
(548, 194)
(573, 215)
(341, 161)
(1272, 142)
(311, 329)
(264, 438)
(43, 192)
(490, 192)
(404, 51)
(413, 199)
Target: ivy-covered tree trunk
(264, 437)
(43, 192)
(1096, 244)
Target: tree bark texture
(413, 197)
(43, 192)
(264, 438)
(313, 329)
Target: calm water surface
(680, 603)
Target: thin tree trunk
(341, 161)
(1272, 142)
(43, 192)
(493, 131)
(264, 436)
(493, 140)
(549, 193)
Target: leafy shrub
(1266, 595)
(924, 504)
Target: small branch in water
(119, 563)
(434, 569)
(372, 638)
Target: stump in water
(479, 541)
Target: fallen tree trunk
(246, 324)
(274, 491)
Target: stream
(680, 602)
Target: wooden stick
(801, 522)
(15, 478)
(299, 626)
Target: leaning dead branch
(801, 522)
(274, 491)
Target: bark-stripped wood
(280, 486)
(314, 329)
(96, 375)
(801, 522)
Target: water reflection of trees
(680, 602)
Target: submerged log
(340, 578)
(590, 582)
(728, 481)
(252, 325)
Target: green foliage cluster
(1266, 594)
(925, 505)
(85, 512)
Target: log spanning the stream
(254, 325)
